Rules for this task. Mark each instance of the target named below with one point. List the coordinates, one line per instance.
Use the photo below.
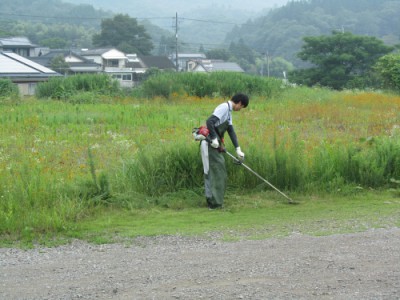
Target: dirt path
(347, 266)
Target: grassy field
(129, 167)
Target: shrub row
(216, 84)
(70, 88)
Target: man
(212, 149)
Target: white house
(113, 62)
(183, 58)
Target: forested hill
(281, 31)
(50, 11)
(57, 24)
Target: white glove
(199, 137)
(214, 143)
(240, 154)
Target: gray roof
(15, 66)
(226, 66)
(21, 42)
(45, 60)
(160, 62)
(97, 51)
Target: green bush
(65, 88)
(388, 67)
(9, 92)
(223, 84)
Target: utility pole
(176, 43)
(266, 58)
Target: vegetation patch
(66, 164)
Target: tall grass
(141, 153)
(216, 84)
(81, 88)
(9, 93)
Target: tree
(167, 45)
(274, 67)
(340, 60)
(125, 34)
(218, 54)
(54, 43)
(388, 67)
(241, 51)
(59, 64)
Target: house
(127, 68)
(113, 62)
(160, 62)
(77, 64)
(23, 72)
(209, 65)
(183, 58)
(19, 45)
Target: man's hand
(214, 143)
(240, 154)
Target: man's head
(240, 101)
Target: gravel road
(344, 266)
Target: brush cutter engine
(200, 133)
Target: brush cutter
(237, 161)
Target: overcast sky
(137, 8)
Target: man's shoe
(215, 206)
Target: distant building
(183, 58)
(23, 72)
(160, 62)
(210, 65)
(19, 45)
(128, 69)
(113, 62)
(77, 64)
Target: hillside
(203, 23)
(264, 26)
(200, 23)
(71, 25)
(280, 32)
(163, 8)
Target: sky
(137, 7)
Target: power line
(175, 18)
(49, 17)
(216, 22)
(77, 18)
(139, 18)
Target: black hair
(242, 98)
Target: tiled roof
(161, 62)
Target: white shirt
(224, 113)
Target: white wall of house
(26, 88)
(72, 59)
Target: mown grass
(73, 170)
(252, 216)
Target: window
(123, 77)
(112, 63)
(127, 77)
